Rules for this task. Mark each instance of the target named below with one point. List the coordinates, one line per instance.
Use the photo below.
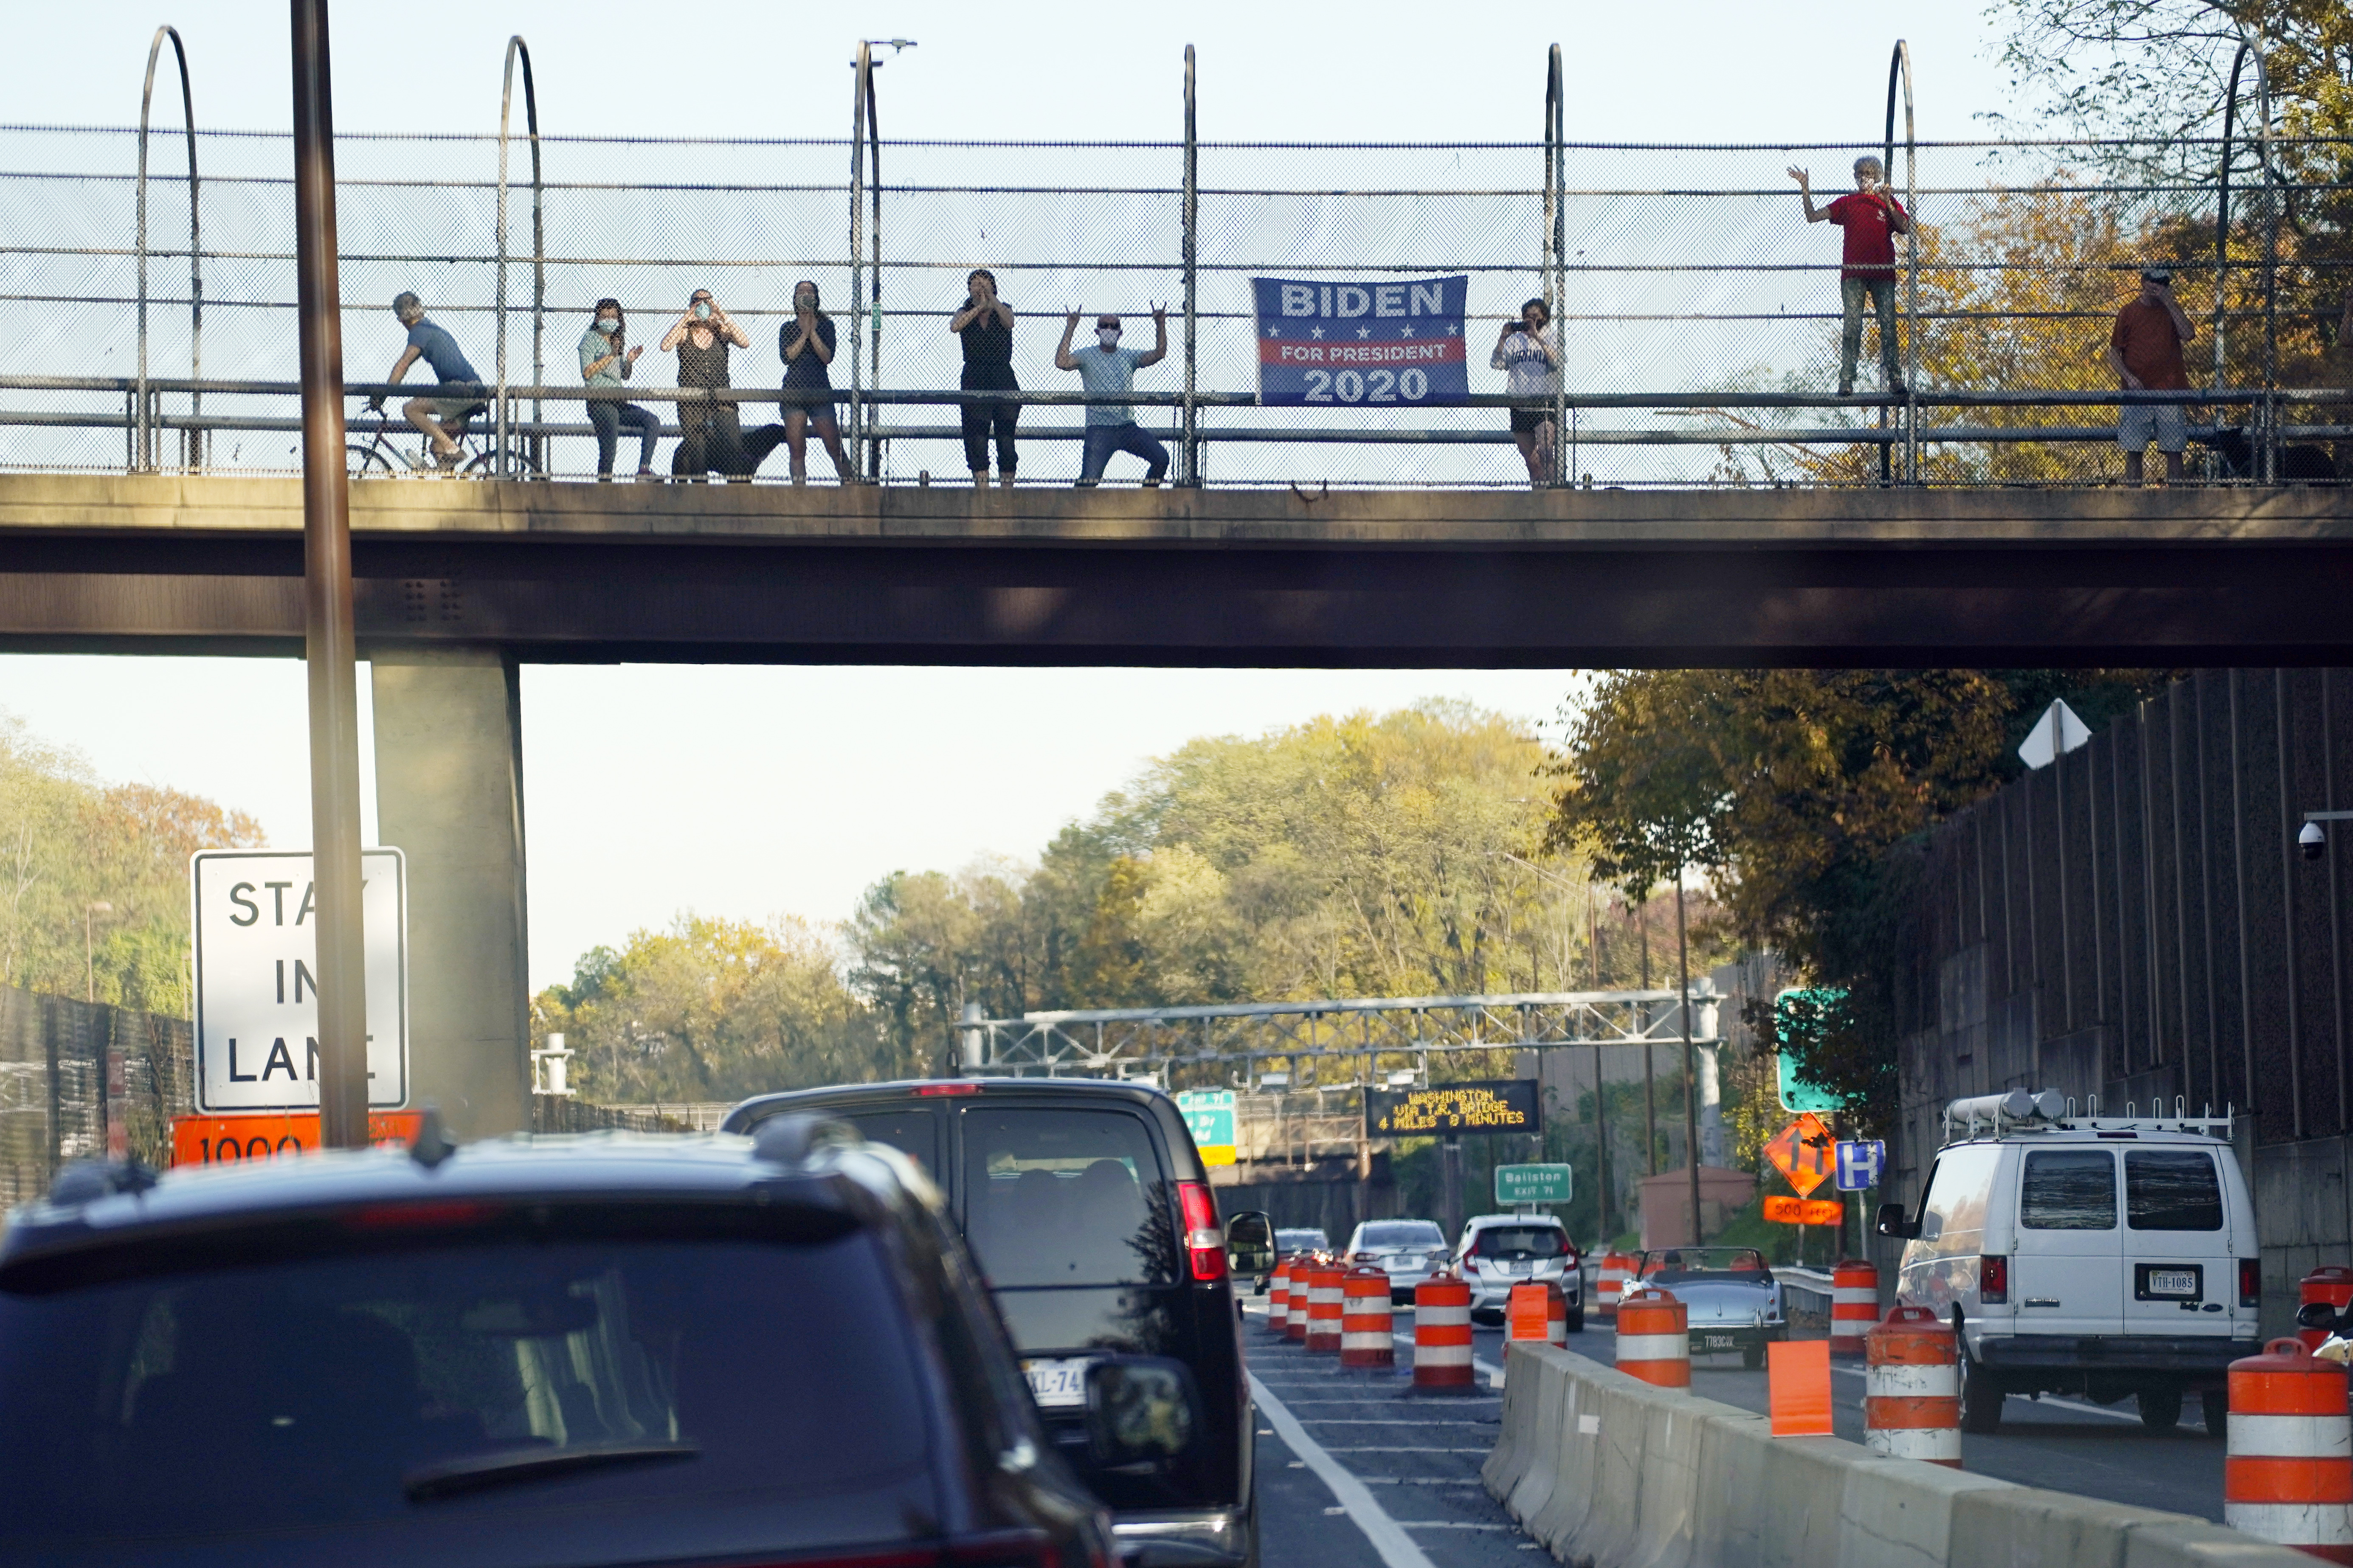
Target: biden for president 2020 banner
(1381, 344)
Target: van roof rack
(2019, 1109)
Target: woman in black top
(712, 434)
(986, 324)
(805, 342)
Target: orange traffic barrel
(1617, 1271)
(1278, 1297)
(1911, 1388)
(2332, 1283)
(1295, 1319)
(1442, 1332)
(2289, 1475)
(1654, 1338)
(1854, 1304)
(1365, 1319)
(1325, 1295)
(1537, 1314)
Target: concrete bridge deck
(570, 571)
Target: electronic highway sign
(1453, 1110)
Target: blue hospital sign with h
(1859, 1164)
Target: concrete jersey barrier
(1609, 1471)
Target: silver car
(1733, 1302)
(1500, 1250)
(1408, 1250)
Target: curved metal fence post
(863, 68)
(2222, 214)
(505, 419)
(192, 448)
(1556, 254)
(873, 264)
(1191, 445)
(2267, 460)
(1899, 73)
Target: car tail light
(2251, 1283)
(958, 1086)
(1204, 1239)
(1993, 1282)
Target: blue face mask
(608, 326)
(702, 310)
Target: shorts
(1525, 421)
(454, 405)
(2135, 421)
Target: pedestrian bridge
(583, 572)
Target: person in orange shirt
(2145, 352)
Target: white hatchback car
(1501, 1250)
(2091, 1255)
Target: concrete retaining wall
(1611, 1472)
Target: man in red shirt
(2145, 352)
(1871, 217)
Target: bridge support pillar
(449, 782)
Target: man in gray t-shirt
(1109, 371)
(461, 396)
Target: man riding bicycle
(461, 393)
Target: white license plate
(1407, 1263)
(1057, 1384)
(2172, 1282)
(1719, 1342)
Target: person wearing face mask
(985, 326)
(1109, 371)
(805, 342)
(605, 361)
(711, 434)
(1530, 361)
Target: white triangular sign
(2056, 732)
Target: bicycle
(379, 458)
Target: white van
(2087, 1254)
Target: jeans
(608, 418)
(1881, 294)
(711, 436)
(1102, 440)
(980, 418)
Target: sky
(753, 791)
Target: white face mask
(1107, 336)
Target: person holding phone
(605, 361)
(711, 433)
(2145, 355)
(806, 343)
(1530, 361)
(1871, 217)
(984, 323)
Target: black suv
(1088, 1211)
(605, 1349)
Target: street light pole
(1691, 1068)
(328, 639)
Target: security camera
(2311, 840)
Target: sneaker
(448, 461)
(647, 476)
(1846, 389)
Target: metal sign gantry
(1363, 1033)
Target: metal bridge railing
(1690, 296)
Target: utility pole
(1691, 1071)
(1650, 1066)
(327, 643)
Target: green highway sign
(1531, 1185)
(1797, 1093)
(1210, 1117)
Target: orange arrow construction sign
(1803, 1152)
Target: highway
(1417, 1501)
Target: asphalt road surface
(1357, 1471)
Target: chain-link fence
(1699, 315)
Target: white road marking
(1359, 1421)
(1384, 1450)
(1489, 1368)
(1455, 1402)
(1389, 1538)
(1452, 1524)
